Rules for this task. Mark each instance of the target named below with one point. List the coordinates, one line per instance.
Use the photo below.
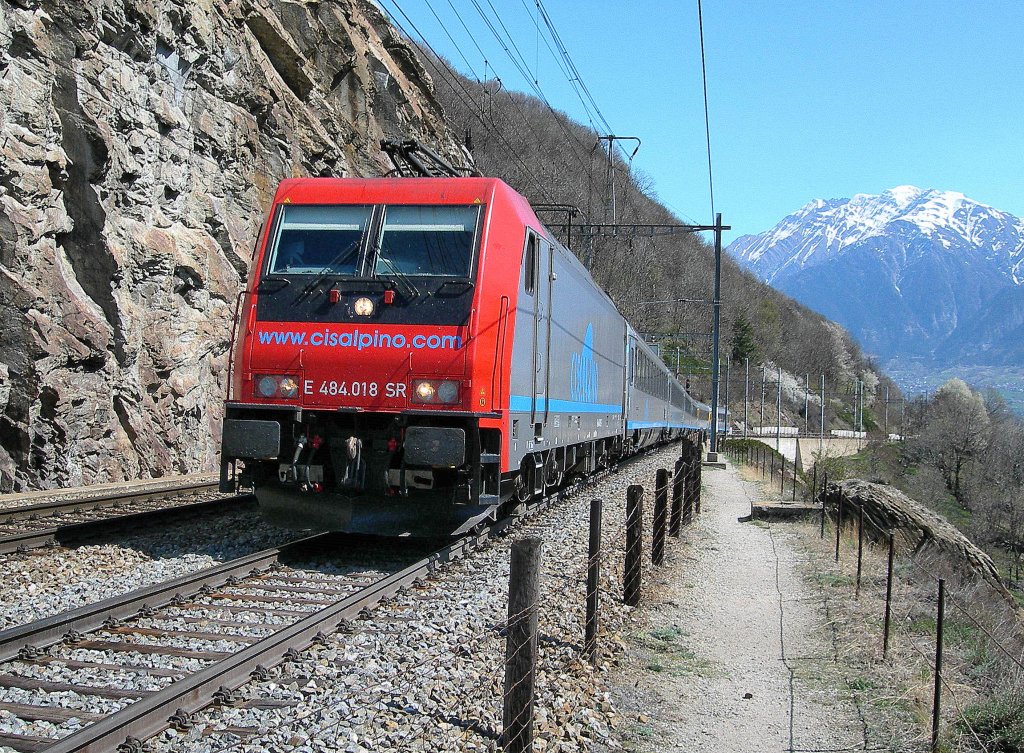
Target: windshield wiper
(342, 257)
(267, 283)
(403, 278)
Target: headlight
(448, 392)
(274, 385)
(434, 392)
(363, 307)
(424, 392)
(288, 387)
(266, 386)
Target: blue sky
(807, 99)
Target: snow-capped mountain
(918, 273)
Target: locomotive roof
(397, 191)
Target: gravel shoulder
(421, 671)
(732, 650)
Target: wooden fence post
(660, 517)
(698, 468)
(633, 574)
(593, 581)
(887, 620)
(937, 700)
(521, 644)
(676, 518)
(839, 523)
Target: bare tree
(956, 429)
(997, 494)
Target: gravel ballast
(44, 582)
(425, 671)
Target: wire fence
(774, 468)
(945, 637)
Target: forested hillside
(552, 159)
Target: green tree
(743, 343)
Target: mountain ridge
(915, 272)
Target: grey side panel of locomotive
(567, 356)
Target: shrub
(998, 722)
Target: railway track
(66, 521)
(110, 675)
(212, 630)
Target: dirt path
(732, 651)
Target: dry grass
(981, 678)
(982, 706)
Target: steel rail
(41, 509)
(150, 715)
(92, 528)
(125, 729)
(50, 630)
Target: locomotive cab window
(530, 264)
(315, 239)
(427, 241)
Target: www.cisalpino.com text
(360, 340)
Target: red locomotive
(414, 353)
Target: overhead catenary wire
(707, 118)
(451, 39)
(574, 77)
(518, 61)
(562, 66)
(573, 70)
(454, 79)
(472, 38)
(523, 69)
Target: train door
(541, 272)
(627, 384)
(548, 259)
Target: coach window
(530, 264)
(427, 241)
(314, 239)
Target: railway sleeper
(52, 714)
(49, 686)
(25, 743)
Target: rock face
(140, 144)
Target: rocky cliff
(140, 143)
